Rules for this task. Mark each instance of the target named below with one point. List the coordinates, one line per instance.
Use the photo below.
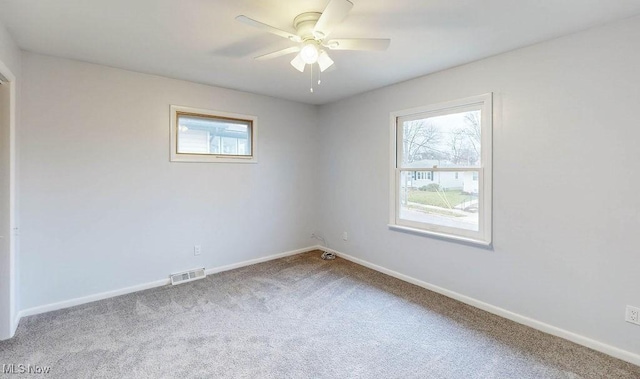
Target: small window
(452, 143)
(199, 135)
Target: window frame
(175, 156)
(483, 236)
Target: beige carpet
(296, 317)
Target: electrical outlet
(632, 315)
(345, 236)
(197, 249)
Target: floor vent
(187, 276)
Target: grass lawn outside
(443, 199)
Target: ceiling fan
(311, 36)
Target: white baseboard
(14, 324)
(260, 260)
(90, 298)
(550, 329)
(144, 286)
(539, 325)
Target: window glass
(211, 135)
(446, 201)
(452, 140)
(442, 169)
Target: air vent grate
(187, 276)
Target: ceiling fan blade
(268, 28)
(298, 63)
(367, 44)
(279, 53)
(333, 14)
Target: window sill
(465, 240)
(194, 158)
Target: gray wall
(9, 52)
(565, 186)
(103, 208)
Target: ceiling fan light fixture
(324, 61)
(298, 63)
(309, 53)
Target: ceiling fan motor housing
(304, 24)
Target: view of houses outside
(443, 188)
(208, 135)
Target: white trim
(431, 233)
(144, 286)
(210, 158)
(13, 316)
(91, 298)
(259, 260)
(393, 173)
(13, 195)
(520, 319)
(15, 322)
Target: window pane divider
(440, 169)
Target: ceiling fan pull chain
(311, 89)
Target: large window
(451, 143)
(199, 135)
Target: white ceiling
(199, 40)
